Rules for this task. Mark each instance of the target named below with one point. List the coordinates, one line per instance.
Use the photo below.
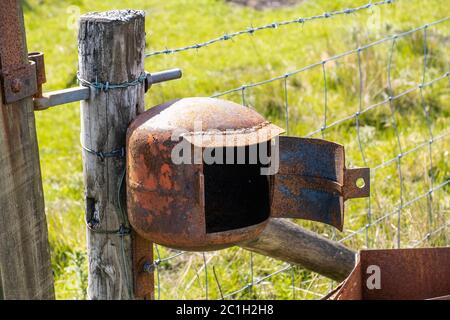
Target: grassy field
(51, 27)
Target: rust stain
(17, 75)
(150, 139)
(165, 177)
(144, 281)
(150, 182)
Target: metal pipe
(163, 76)
(59, 97)
(56, 98)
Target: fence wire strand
(400, 153)
(273, 25)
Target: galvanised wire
(356, 116)
(430, 129)
(258, 281)
(358, 136)
(333, 58)
(218, 283)
(431, 233)
(397, 135)
(389, 100)
(158, 272)
(273, 25)
(205, 268)
(325, 99)
(117, 153)
(286, 104)
(105, 86)
(384, 217)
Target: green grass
(51, 29)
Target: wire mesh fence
(409, 203)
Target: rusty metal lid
(210, 122)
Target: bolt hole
(360, 183)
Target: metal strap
(17, 75)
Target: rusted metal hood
(195, 204)
(208, 122)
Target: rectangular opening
(236, 193)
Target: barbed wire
(336, 57)
(399, 154)
(273, 25)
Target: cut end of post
(113, 15)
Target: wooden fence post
(111, 52)
(25, 268)
(286, 241)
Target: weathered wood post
(286, 241)
(111, 62)
(25, 268)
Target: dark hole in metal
(236, 193)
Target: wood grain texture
(25, 268)
(284, 240)
(111, 49)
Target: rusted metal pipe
(38, 58)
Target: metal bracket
(17, 75)
(351, 188)
(38, 59)
(18, 83)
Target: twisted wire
(270, 26)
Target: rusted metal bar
(38, 59)
(143, 267)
